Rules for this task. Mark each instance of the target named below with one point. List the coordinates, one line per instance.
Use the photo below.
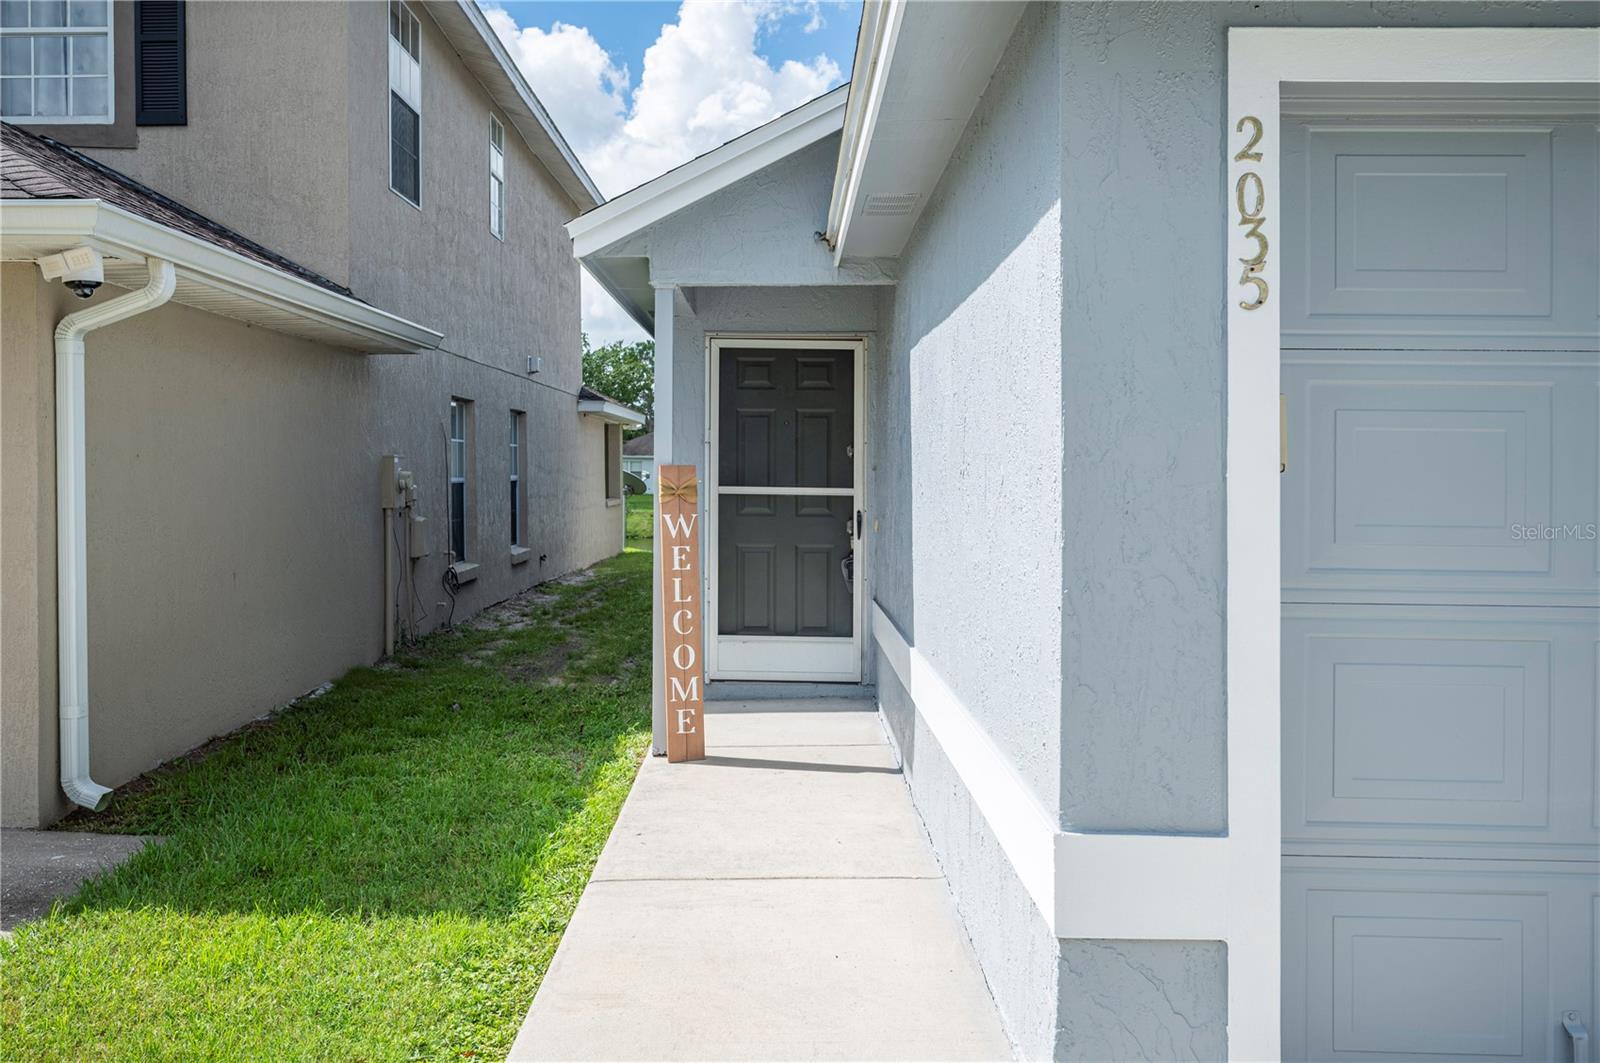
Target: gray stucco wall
(761, 230)
(235, 540)
(1142, 399)
(246, 461)
(266, 150)
(1143, 355)
(496, 301)
(967, 398)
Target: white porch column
(664, 455)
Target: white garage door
(1441, 574)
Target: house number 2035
(1250, 199)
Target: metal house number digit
(1250, 199)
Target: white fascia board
(654, 200)
(519, 85)
(611, 412)
(874, 56)
(118, 233)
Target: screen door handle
(1579, 1035)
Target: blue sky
(639, 86)
(625, 28)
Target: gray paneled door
(1441, 574)
(786, 499)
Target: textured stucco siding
(266, 150)
(496, 301)
(1143, 357)
(1142, 393)
(969, 543)
(235, 540)
(235, 550)
(1156, 1000)
(761, 230)
(976, 319)
(1014, 947)
(27, 538)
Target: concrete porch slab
(38, 867)
(776, 901)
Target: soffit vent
(890, 204)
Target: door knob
(1579, 1035)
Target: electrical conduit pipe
(72, 529)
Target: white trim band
(1084, 885)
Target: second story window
(405, 102)
(497, 177)
(56, 62)
(458, 480)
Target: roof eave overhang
(241, 284)
(608, 273)
(481, 49)
(611, 412)
(921, 70)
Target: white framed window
(458, 479)
(516, 477)
(405, 103)
(56, 62)
(497, 177)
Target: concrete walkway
(38, 867)
(777, 900)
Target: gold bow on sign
(687, 491)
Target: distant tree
(627, 373)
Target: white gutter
(72, 529)
(121, 235)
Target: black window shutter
(159, 63)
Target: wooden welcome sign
(678, 544)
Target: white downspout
(72, 529)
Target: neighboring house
(344, 223)
(1009, 319)
(638, 457)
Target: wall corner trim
(1127, 886)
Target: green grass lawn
(641, 516)
(381, 873)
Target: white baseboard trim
(1128, 886)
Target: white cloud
(703, 83)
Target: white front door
(1441, 895)
(784, 509)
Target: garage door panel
(1437, 725)
(1441, 571)
(1417, 233)
(1413, 963)
(1471, 480)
